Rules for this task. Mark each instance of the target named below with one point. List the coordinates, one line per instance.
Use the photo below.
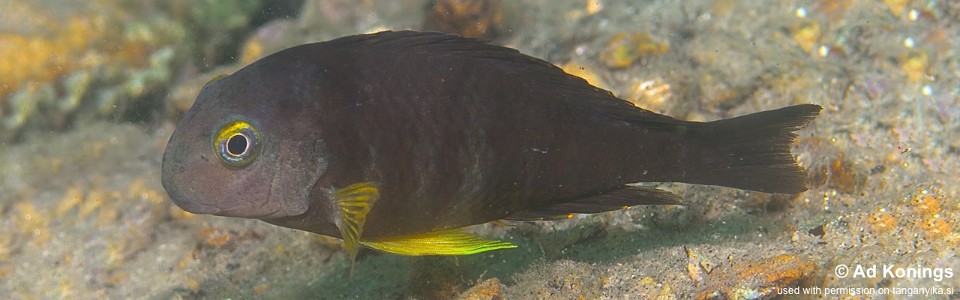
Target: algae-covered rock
(52, 68)
(64, 63)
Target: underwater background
(91, 91)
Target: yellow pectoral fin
(444, 242)
(354, 202)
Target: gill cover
(295, 163)
(299, 164)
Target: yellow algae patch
(487, 289)
(93, 150)
(723, 8)
(49, 165)
(648, 288)
(109, 213)
(834, 169)
(760, 279)
(469, 18)
(117, 252)
(584, 72)
(926, 205)
(807, 35)
(105, 203)
(882, 222)
(51, 55)
(187, 259)
(666, 293)
(62, 47)
(625, 48)
(32, 222)
(260, 288)
(896, 7)
(192, 284)
(66, 288)
(213, 237)
(651, 94)
(252, 50)
(6, 241)
(937, 228)
(593, 6)
(933, 220)
(914, 65)
(4, 270)
(138, 190)
(71, 199)
(834, 9)
(94, 200)
(117, 278)
(697, 265)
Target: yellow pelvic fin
(444, 242)
(354, 202)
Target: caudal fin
(752, 152)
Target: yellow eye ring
(237, 144)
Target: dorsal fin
(614, 200)
(573, 90)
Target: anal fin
(614, 200)
(444, 242)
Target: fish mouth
(261, 216)
(179, 191)
(200, 208)
(197, 208)
(194, 207)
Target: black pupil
(237, 145)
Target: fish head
(245, 150)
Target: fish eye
(237, 144)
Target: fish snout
(179, 187)
(182, 197)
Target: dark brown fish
(395, 140)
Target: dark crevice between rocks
(221, 48)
